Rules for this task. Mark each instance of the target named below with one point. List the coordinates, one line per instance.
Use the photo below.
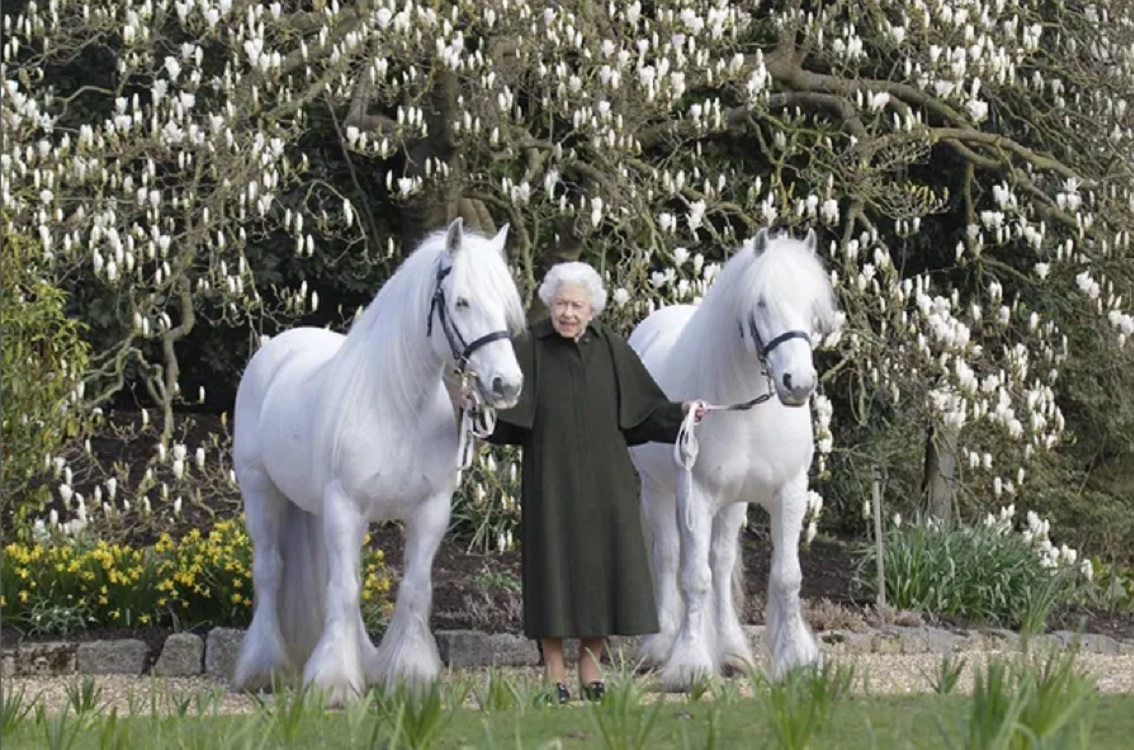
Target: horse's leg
(335, 665)
(263, 653)
(369, 652)
(658, 510)
(789, 639)
(733, 650)
(691, 658)
(408, 650)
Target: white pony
(332, 432)
(751, 335)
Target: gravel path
(881, 673)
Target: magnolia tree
(967, 164)
(147, 147)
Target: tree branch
(358, 117)
(996, 141)
(790, 72)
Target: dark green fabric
(585, 569)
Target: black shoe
(594, 691)
(562, 695)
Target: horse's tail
(303, 583)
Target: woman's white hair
(575, 273)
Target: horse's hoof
(734, 668)
(682, 679)
(336, 696)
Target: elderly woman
(586, 397)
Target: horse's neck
(389, 371)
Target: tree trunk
(940, 479)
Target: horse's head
(791, 300)
(478, 307)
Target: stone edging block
(187, 655)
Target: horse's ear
(454, 235)
(760, 242)
(501, 240)
(811, 242)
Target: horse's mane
(387, 359)
(787, 276)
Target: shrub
(984, 573)
(486, 509)
(44, 361)
(201, 579)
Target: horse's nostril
(787, 381)
(498, 385)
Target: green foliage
(978, 573)
(1044, 704)
(621, 719)
(1110, 587)
(801, 705)
(53, 587)
(1032, 703)
(948, 673)
(44, 361)
(498, 695)
(1086, 489)
(15, 709)
(486, 509)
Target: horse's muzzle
(503, 394)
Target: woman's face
(571, 310)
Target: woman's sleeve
(660, 426)
(645, 413)
(507, 433)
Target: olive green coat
(585, 570)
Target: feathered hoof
(685, 668)
(735, 665)
(336, 693)
(336, 676)
(418, 666)
(260, 667)
(805, 656)
(653, 651)
(261, 681)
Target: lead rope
(478, 419)
(686, 447)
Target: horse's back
(284, 362)
(653, 340)
(655, 336)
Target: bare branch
(993, 140)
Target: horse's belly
(286, 425)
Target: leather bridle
(460, 349)
(762, 349)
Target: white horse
(751, 335)
(333, 432)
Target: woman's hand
(700, 410)
(466, 397)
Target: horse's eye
(462, 303)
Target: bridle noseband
(460, 349)
(762, 351)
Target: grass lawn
(855, 721)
